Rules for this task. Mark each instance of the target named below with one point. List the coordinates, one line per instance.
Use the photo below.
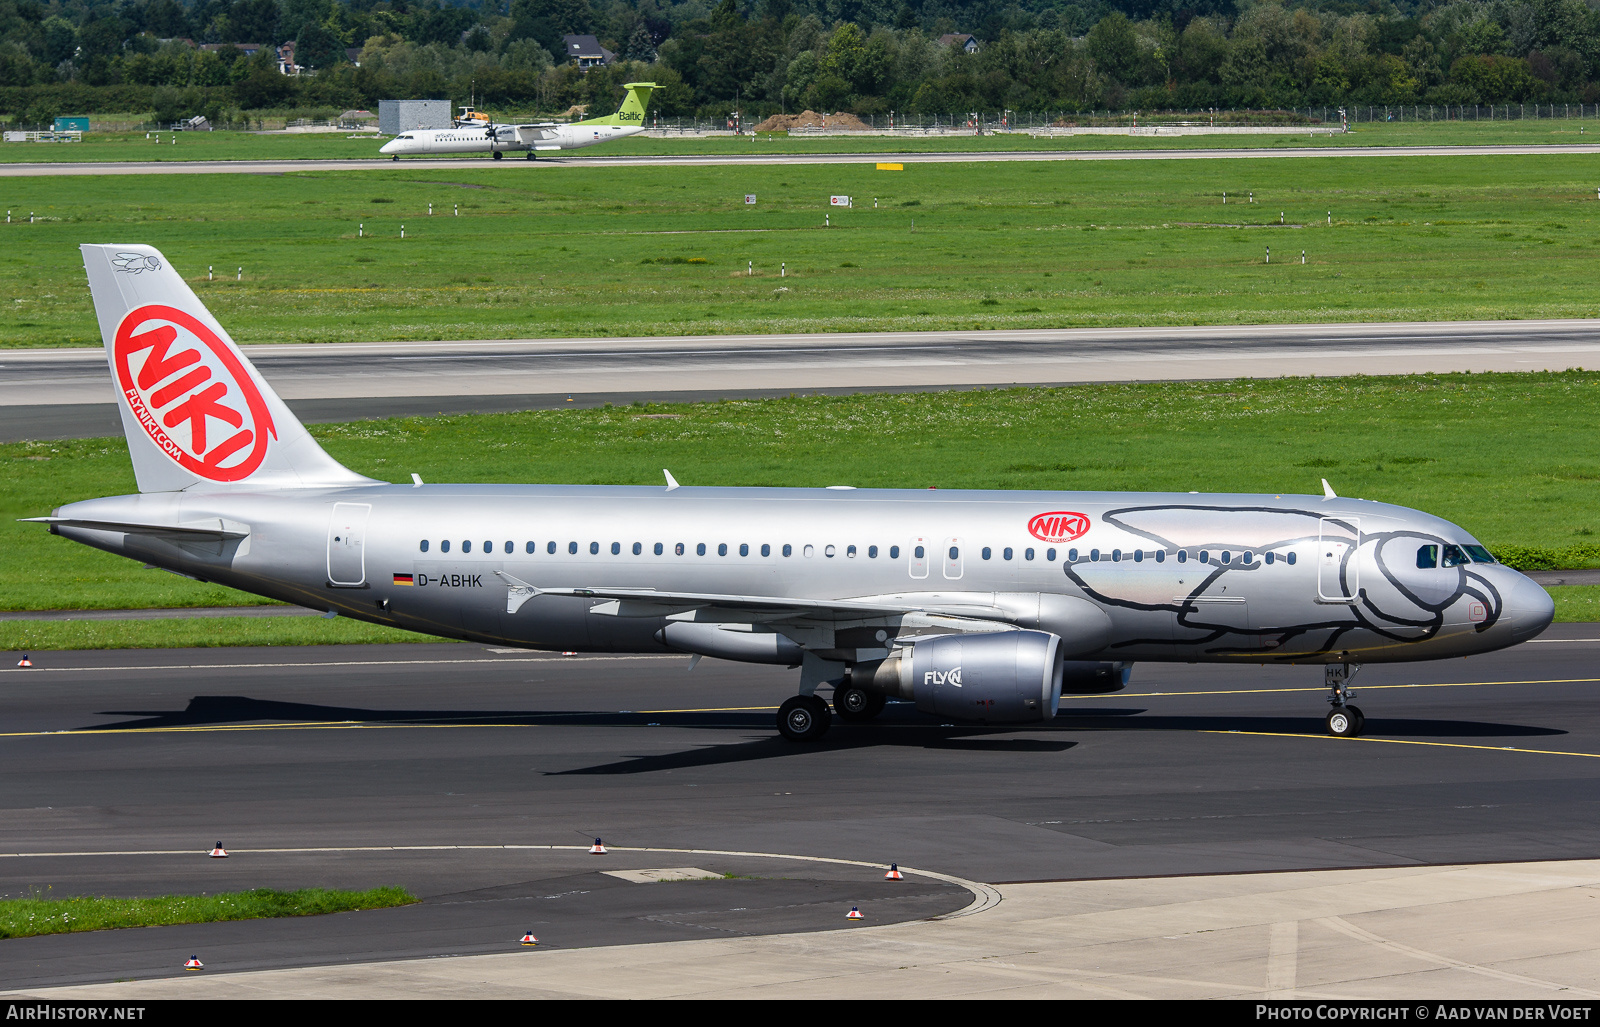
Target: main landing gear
(804, 718)
(1344, 720)
(857, 705)
(497, 155)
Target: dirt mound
(811, 119)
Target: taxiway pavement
(598, 160)
(360, 766)
(67, 393)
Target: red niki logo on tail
(191, 394)
(1058, 526)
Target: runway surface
(313, 764)
(66, 393)
(257, 167)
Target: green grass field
(140, 146)
(650, 251)
(1514, 458)
(34, 915)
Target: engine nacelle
(1001, 677)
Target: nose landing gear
(1344, 720)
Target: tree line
(869, 57)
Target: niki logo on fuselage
(191, 394)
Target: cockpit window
(1453, 556)
(1427, 556)
(1478, 554)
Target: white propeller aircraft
(473, 136)
(975, 605)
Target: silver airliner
(975, 605)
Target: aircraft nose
(1531, 609)
(387, 147)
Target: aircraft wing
(644, 602)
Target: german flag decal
(403, 579)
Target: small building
(354, 54)
(965, 40)
(73, 123)
(587, 51)
(286, 63)
(396, 116)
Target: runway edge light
(854, 914)
(894, 873)
(194, 964)
(26, 661)
(529, 939)
(597, 849)
(219, 852)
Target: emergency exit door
(347, 538)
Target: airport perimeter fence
(1023, 121)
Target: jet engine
(1000, 677)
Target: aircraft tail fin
(634, 105)
(194, 409)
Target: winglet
(672, 482)
(1327, 490)
(517, 591)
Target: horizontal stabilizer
(217, 529)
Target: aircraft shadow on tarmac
(900, 726)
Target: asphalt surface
(600, 159)
(66, 393)
(131, 764)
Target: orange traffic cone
(194, 964)
(529, 939)
(894, 873)
(219, 852)
(597, 849)
(25, 661)
(854, 914)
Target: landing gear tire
(497, 155)
(395, 157)
(804, 718)
(1345, 722)
(529, 156)
(857, 705)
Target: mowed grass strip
(619, 251)
(30, 916)
(197, 633)
(1513, 458)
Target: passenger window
(1072, 555)
(1007, 553)
(955, 552)
(572, 547)
(894, 552)
(744, 549)
(700, 549)
(1094, 556)
(1116, 556)
(872, 552)
(828, 551)
(810, 550)
(532, 547)
(444, 546)
(1453, 556)
(1138, 556)
(850, 552)
(1050, 554)
(788, 550)
(1245, 558)
(1183, 556)
(510, 547)
(722, 549)
(488, 547)
(594, 549)
(424, 545)
(658, 549)
(1479, 554)
(1290, 558)
(1205, 556)
(616, 548)
(766, 550)
(918, 552)
(1161, 556)
(678, 549)
(637, 548)
(1226, 556)
(1027, 554)
(550, 547)
(466, 547)
(1270, 557)
(985, 552)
